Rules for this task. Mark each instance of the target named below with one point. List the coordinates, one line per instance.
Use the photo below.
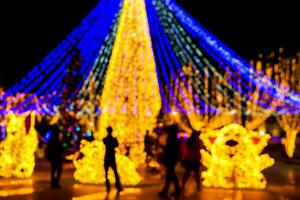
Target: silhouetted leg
(186, 176)
(118, 183)
(197, 177)
(53, 169)
(170, 177)
(106, 165)
(175, 181)
(59, 170)
(167, 182)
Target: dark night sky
(31, 29)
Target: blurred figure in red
(171, 157)
(190, 158)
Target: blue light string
(262, 89)
(103, 59)
(165, 61)
(159, 60)
(177, 34)
(180, 72)
(101, 38)
(82, 48)
(46, 68)
(47, 64)
(169, 60)
(166, 56)
(178, 69)
(55, 79)
(93, 54)
(188, 47)
(101, 63)
(234, 61)
(185, 54)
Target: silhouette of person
(55, 155)
(171, 156)
(148, 148)
(190, 156)
(109, 159)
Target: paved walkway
(283, 184)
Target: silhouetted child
(109, 159)
(171, 156)
(55, 155)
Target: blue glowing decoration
(89, 133)
(78, 128)
(3, 132)
(71, 107)
(48, 135)
(276, 139)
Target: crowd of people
(167, 149)
(187, 151)
(164, 148)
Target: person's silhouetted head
(195, 135)
(109, 130)
(173, 130)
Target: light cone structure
(130, 99)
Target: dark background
(31, 29)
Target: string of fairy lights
(97, 74)
(46, 77)
(185, 49)
(177, 33)
(214, 47)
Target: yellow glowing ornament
(131, 99)
(289, 74)
(90, 168)
(18, 148)
(233, 158)
(291, 124)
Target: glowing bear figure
(17, 150)
(233, 158)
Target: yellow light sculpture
(288, 71)
(18, 148)
(233, 158)
(131, 99)
(90, 168)
(290, 124)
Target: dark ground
(283, 184)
